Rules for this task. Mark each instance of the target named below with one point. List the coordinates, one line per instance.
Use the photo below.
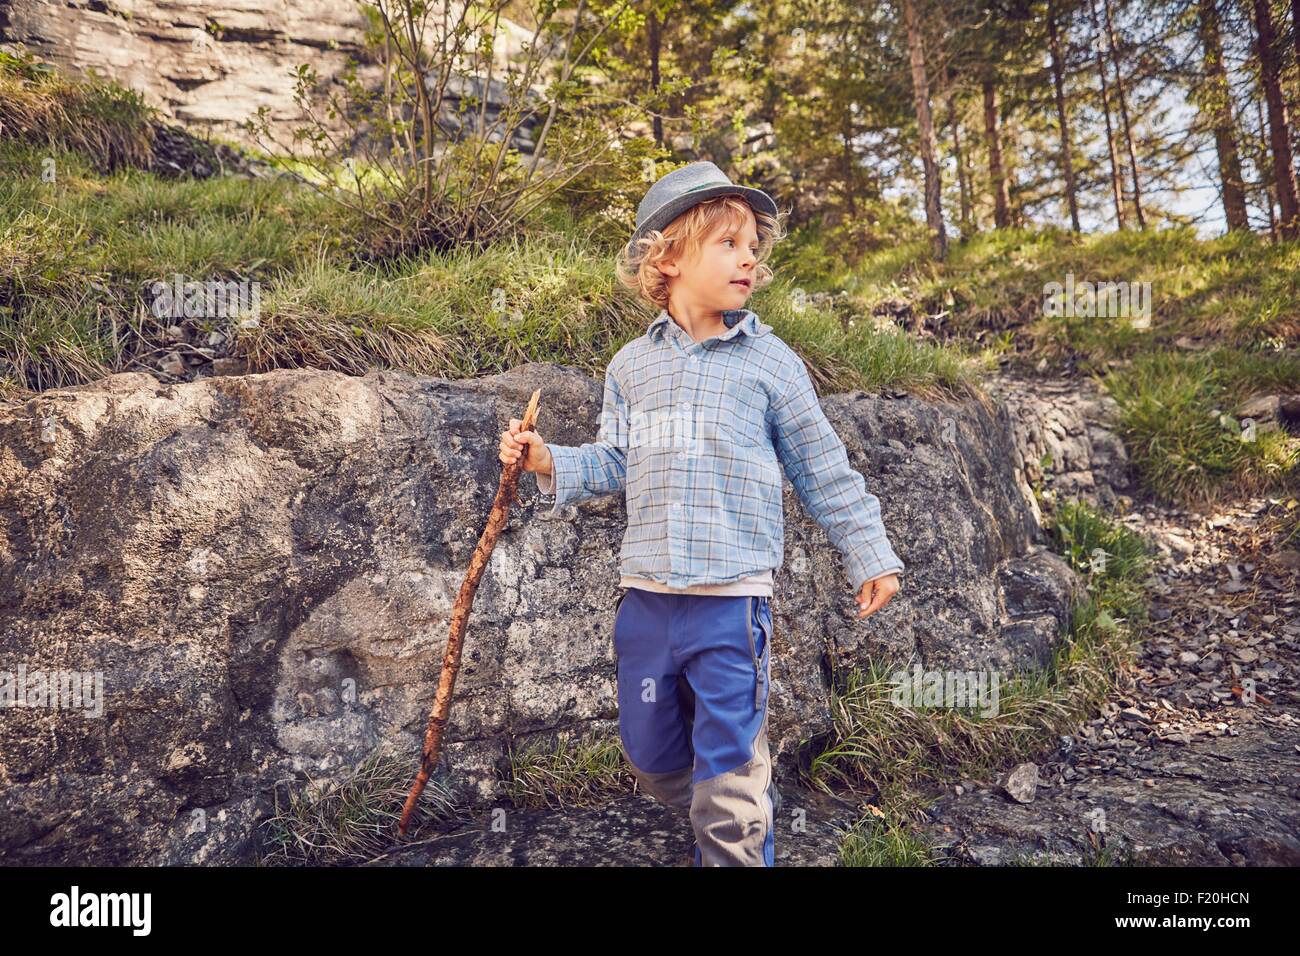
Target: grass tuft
(352, 818)
(568, 772)
(98, 119)
(1179, 424)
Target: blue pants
(693, 681)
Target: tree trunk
(925, 131)
(1261, 163)
(1123, 115)
(1218, 104)
(1279, 132)
(968, 169)
(997, 177)
(1295, 27)
(1116, 177)
(653, 26)
(848, 164)
(1058, 82)
(962, 187)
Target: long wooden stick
(460, 615)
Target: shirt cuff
(879, 569)
(563, 481)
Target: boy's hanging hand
(875, 594)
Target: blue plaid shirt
(699, 434)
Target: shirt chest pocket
(743, 413)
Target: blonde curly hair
(637, 266)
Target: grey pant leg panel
(731, 813)
(672, 788)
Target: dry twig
(460, 615)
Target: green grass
(78, 255)
(351, 818)
(86, 233)
(1178, 424)
(1114, 560)
(82, 251)
(1240, 290)
(882, 240)
(870, 842)
(134, 226)
(899, 754)
(1223, 326)
(105, 122)
(544, 299)
(567, 771)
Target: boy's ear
(669, 268)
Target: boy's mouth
(741, 282)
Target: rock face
(1064, 440)
(172, 54)
(261, 568)
(209, 64)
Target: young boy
(702, 414)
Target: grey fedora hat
(683, 188)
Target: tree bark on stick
(460, 615)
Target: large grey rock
(262, 567)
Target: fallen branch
(460, 615)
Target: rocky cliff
(260, 568)
(205, 63)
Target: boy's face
(720, 274)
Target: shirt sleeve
(596, 468)
(834, 494)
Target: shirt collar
(736, 320)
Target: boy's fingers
(515, 442)
(872, 601)
(879, 595)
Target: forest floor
(1192, 764)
